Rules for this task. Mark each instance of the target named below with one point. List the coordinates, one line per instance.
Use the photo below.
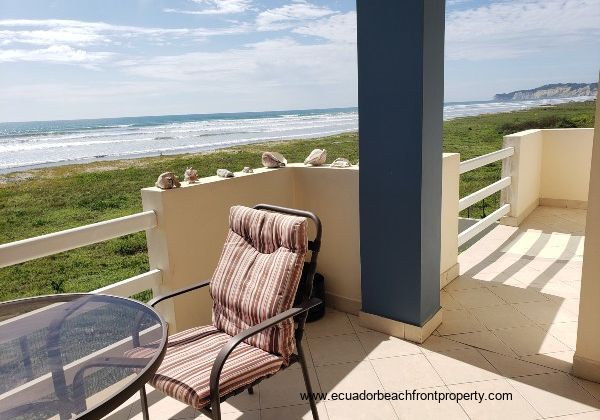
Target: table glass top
(62, 355)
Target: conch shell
(190, 175)
(167, 180)
(341, 163)
(247, 170)
(316, 158)
(273, 160)
(224, 173)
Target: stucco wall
(549, 167)
(192, 224)
(566, 163)
(332, 194)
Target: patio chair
(254, 326)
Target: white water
(26, 145)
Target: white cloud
(72, 36)
(337, 28)
(516, 28)
(216, 7)
(54, 54)
(75, 32)
(258, 66)
(290, 15)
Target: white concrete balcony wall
(549, 167)
(332, 194)
(566, 164)
(192, 223)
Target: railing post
(449, 267)
(524, 168)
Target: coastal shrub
(549, 121)
(58, 285)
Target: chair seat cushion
(185, 371)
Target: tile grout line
(372, 367)
(445, 384)
(317, 373)
(562, 416)
(573, 379)
(514, 358)
(515, 389)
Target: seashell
(224, 173)
(167, 180)
(341, 163)
(273, 160)
(190, 175)
(248, 170)
(316, 158)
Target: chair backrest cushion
(258, 274)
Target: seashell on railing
(167, 180)
(341, 163)
(273, 160)
(316, 158)
(224, 173)
(190, 175)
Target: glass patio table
(75, 355)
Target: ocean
(26, 145)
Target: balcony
(510, 301)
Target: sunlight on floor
(510, 325)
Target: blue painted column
(400, 98)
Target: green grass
(476, 136)
(60, 198)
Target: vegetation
(476, 136)
(48, 200)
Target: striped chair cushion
(185, 371)
(258, 274)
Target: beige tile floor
(509, 325)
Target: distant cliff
(555, 90)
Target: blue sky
(99, 58)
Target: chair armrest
(236, 340)
(178, 292)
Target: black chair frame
(298, 313)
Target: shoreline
(93, 153)
(51, 171)
(175, 153)
(100, 164)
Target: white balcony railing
(465, 202)
(28, 249)
(479, 161)
(53, 243)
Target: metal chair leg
(251, 391)
(311, 398)
(144, 403)
(215, 412)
